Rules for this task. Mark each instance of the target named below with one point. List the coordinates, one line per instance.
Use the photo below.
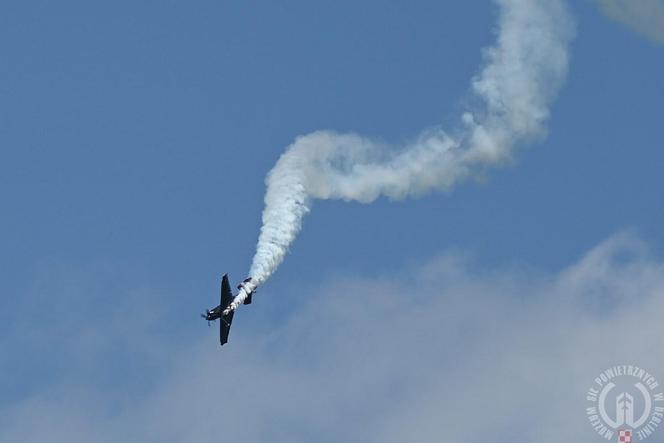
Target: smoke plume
(522, 74)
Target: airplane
(221, 312)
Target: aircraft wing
(225, 327)
(225, 320)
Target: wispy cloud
(643, 16)
(445, 350)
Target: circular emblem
(626, 404)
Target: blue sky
(135, 137)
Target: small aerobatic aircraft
(222, 312)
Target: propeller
(206, 315)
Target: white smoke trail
(523, 73)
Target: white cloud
(643, 16)
(446, 351)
